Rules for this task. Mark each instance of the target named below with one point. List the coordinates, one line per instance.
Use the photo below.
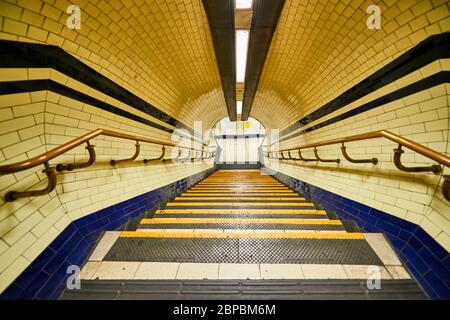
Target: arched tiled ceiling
(168, 49)
(322, 48)
(161, 51)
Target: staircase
(240, 234)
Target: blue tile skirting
(46, 277)
(427, 260)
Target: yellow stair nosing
(239, 221)
(181, 198)
(256, 235)
(242, 211)
(239, 191)
(239, 204)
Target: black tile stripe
(433, 48)
(15, 54)
(429, 82)
(50, 85)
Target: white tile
(239, 271)
(116, 270)
(151, 230)
(180, 230)
(102, 248)
(323, 271)
(208, 230)
(383, 249)
(238, 231)
(89, 270)
(364, 271)
(398, 272)
(157, 270)
(198, 271)
(281, 271)
(268, 231)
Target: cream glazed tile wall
(174, 61)
(322, 48)
(32, 123)
(416, 197)
(161, 51)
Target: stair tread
(246, 218)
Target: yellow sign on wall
(247, 124)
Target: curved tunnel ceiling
(164, 53)
(160, 51)
(322, 48)
(171, 49)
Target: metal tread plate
(245, 226)
(239, 216)
(244, 250)
(237, 201)
(243, 289)
(242, 207)
(242, 195)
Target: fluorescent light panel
(241, 54)
(239, 107)
(243, 4)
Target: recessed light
(241, 54)
(243, 4)
(239, 107)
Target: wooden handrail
(46, 156)
(51, 171)
(427, 152)
(401, 141)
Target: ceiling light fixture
(239, 107)
(241, 54)
(243, 4)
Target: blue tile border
(426, 259)
(46, 276)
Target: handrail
(427, 152)
(45, 157)
(401, 141)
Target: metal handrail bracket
(51, 177)
(71, 166)
(135, 155)
(161, 157)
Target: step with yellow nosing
(237, 198)
(239, 187)
(194, 195)
(242, 211)
(240, 182)
(239, 221)
(240, 204)
(235, 182)
(262, 235)
(237, 191)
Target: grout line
(178, 269)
